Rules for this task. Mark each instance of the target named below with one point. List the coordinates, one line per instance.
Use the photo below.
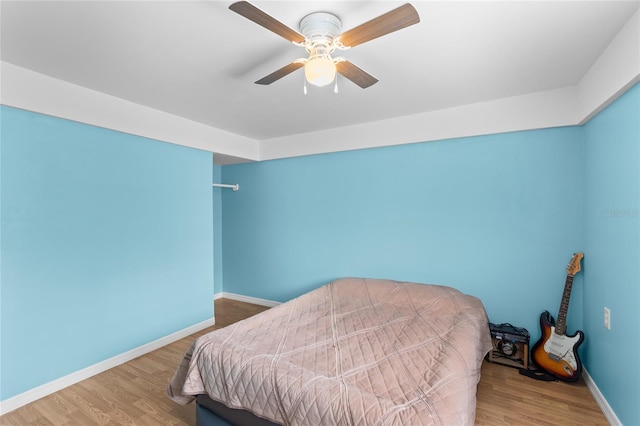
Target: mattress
(354, 351)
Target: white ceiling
(198, 60)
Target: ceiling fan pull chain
(304, 84)
(335, 87)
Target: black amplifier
(510, 345)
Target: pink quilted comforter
(355, 351)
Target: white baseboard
(247, 299)
(34, 394)
(600, 399)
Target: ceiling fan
(321, 34)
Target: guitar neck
(561, 324)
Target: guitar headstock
(574, 265)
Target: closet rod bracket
(235, 187)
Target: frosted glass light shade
(320, 71)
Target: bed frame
(214, 413)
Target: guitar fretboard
(561, 325)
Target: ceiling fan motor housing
(321, 27)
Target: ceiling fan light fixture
(320, 34)
(320, 71)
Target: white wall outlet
(607, 318)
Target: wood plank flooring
(507, 398)
(134, 393)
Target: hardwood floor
(507, 398)
(134, 393)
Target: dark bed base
(214, 413)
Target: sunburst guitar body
(557, 352)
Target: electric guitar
(556, 352)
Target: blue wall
(496, 216)
(107, 244)
(217, 230)
(612, 258)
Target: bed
(354, 351)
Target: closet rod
(235, 187)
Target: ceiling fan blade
(356, 74)
(278, 74)
(256, 15)
(401, 17)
